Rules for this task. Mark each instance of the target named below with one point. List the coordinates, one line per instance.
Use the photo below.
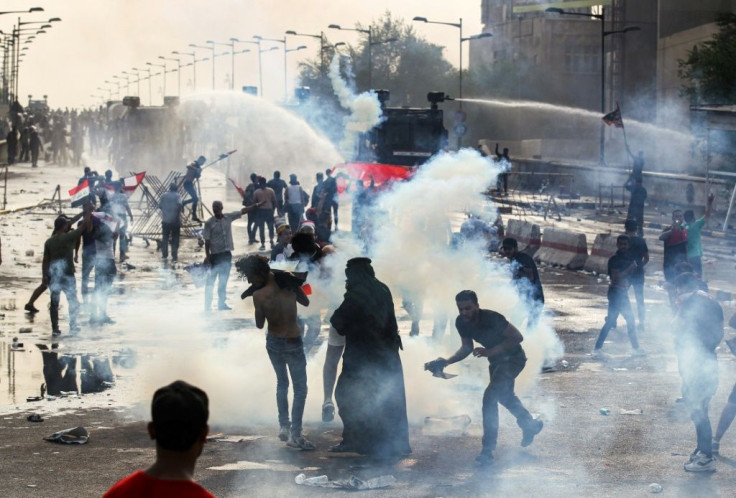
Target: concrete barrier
(528, 235)
(603, 248)
(564, 248)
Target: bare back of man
(277, 306)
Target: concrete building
(556, 59)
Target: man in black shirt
(639, 253)
(501, 343)
(620, 269)
(636, 202)
(697, 332)
(278, 185)
(526, 276)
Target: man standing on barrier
(194, 171)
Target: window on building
(581, 59)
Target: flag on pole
(237, 187)
(111, 221)
(80, 194)
(131, 183)
(614, 118)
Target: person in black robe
(370, 394)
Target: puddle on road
(39, 371)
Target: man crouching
(275, 303)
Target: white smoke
(364, 109)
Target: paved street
(160, 335)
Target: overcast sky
(101, 38)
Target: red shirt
(141, 485)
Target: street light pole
(282, 41)
(369, 32)
(260, 66)
(178, 69)
(286, 51)
(194, 67)
(321, 37)
(213, 60)
(602, 18)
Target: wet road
(160, 333)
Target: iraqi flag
(131, 183)
(614, 118)
(112, 222)
(237, 187)
(80, 194)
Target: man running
(275, 303)
(501, 343)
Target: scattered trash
(604, 411)
(75, 435)
(446, 426)
(637, 411)
(25, 330)
(621, 369)
(224, 438)
(34, 418)
(29, 252)
(352, 483)
(655, 488)
(564, 364)
(16, 344)
(30, 399)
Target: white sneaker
(598, 355)
(700, 463)
(638, 353)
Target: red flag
(237, 187)
(131, 183)
(614, 118)
(382, 173)
(80, 194)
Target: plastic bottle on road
(311, 481)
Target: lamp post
(602, 18)
(369, 32)
(178, 70)
(127, 80)
(234, 52)
(321, 38)
(138, 80)
(194, 67)
(260, 64)
(212, 48)
(287, 51)
(163, 67)
(16, 37)
(232, 61)
(117, 87)
(282, 41)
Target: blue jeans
(194, 199)
(289, 353)
(618, 304)
(220, 270)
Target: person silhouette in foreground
(179, 426)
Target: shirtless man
(276, 305)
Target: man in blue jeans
(275, 303)
(218, 248)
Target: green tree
(408, 66)
(709, 70)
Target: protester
(282, 250)
(275, 304)
(372, 424)
(278, 185)
(179, 414)
(194, 171)
(503, 177)
(362, 201)
(318, 190)
(36, 145)
(170, 205)
(12, 143)
(620, 269)
(265, 197)
(675, 250)
(636, 202)
(729, 411)
(296, 200)
(89, 259)
(329, 190)
(120, 208)
(697, 332)
(105, 231)
(639, 253)
(218, 247)
(694, 227)
(248, 199)
(501, 343)
(58, 267)
(526, 276)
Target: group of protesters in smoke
(300, 228)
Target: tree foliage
(709, 70)
(408, 67)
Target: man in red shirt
(179, 412)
